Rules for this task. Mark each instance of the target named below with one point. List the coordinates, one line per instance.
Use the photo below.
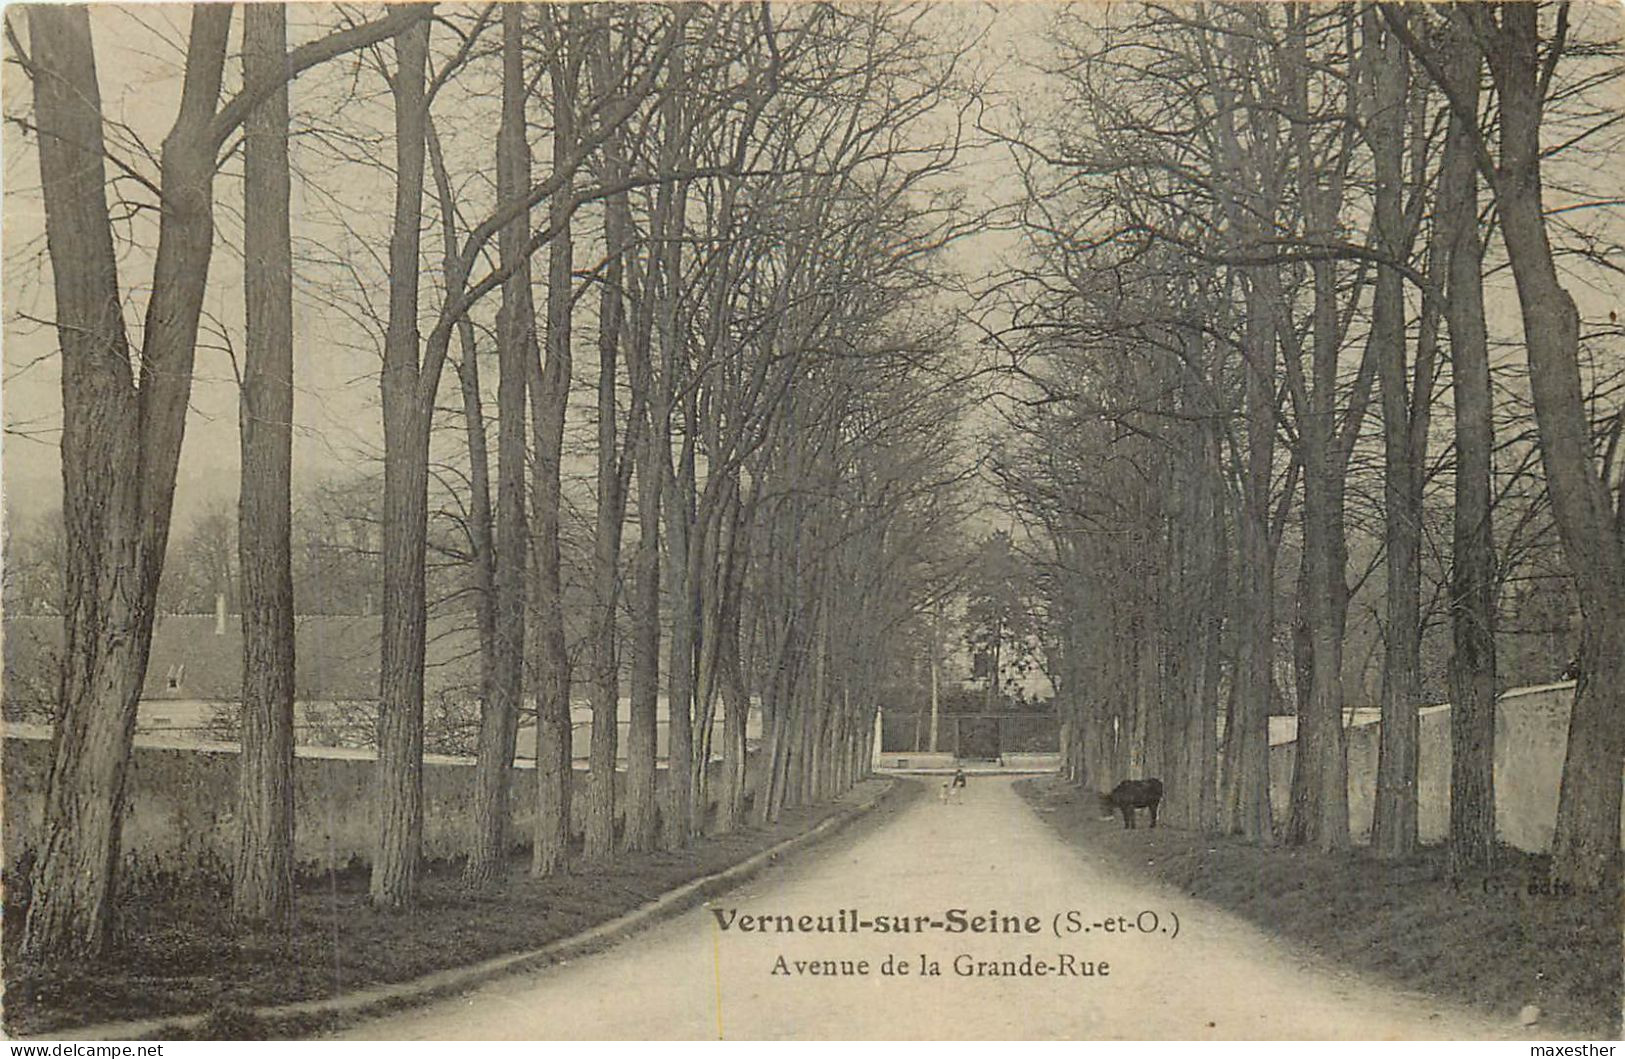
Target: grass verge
(1487, 942)
(178, 954)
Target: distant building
(194, 682)
(195, 674)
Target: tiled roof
(336, 657)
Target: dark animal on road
(1131, 795)
(959, 778)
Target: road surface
(689, 979)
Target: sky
(336, 356)
(336, 359)
(136, 57)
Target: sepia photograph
(785, 520)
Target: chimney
(220, 614)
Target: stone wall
(1531, 735)
(183, 797)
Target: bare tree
(549, 394)
(1391, 101)
(1473, 563)
(1522, 63)
(1585, 847)
(122, 430)
(517, 350)
(262, 884)
(408, 387)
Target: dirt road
(691, 979)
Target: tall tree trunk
(1394, 826)
(481, 534)
(399, 782)
(120, 444)
(682, 781)
(1198, 615)
(1244, 804)
(1180, 614)
(1472, 570)
(1320, 771)
(262, 884)
(1207, 812)
(936, 673)
(1148, 715)
(736, 707)
(120, 448)
(1320, 767)
(654, 467)
(1244, 794)
(516, 345)
(730, 663)
(600, 825)
(549, 395)
(782, 716)
(1585, 847)
(642, 821)
(685, 772)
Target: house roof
(336, 657)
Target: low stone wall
(183, 798)
(1531, 736)
(947, 762)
